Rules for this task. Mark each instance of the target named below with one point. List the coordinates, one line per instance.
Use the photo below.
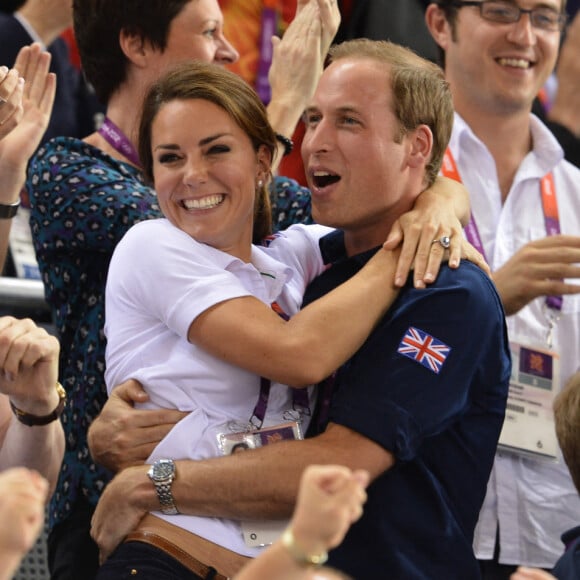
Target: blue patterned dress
(82, 203)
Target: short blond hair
(567, 419)
(421, 95)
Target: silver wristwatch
(162, 474)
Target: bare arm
(28, 375)
(122, 436)
(322, 336)
(49, 18)
(115, 439)
(226, 486)
(538, 269)
(330, 499)
(27, 121)
(297, 62)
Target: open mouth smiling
(208, 202)
(515, 62)
(322, 179)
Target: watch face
(163, 469)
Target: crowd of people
(199, 311)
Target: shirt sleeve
(161, 273)
(437, 353)
(298, 248)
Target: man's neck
(508, 138)
(373, 233)
(357, 241)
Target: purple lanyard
(119, 141)
(300, 400)
(269, 29)
(549, 208)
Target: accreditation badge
(528, 428)
(237, 438)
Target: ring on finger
(443, 241)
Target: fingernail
(419, 284)
(398, 281)
(3, 70)
(21, 81)
(428, 277)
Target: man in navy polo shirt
(421, 404)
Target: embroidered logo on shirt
(269, 239)
(424, 349)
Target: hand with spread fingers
(297, 61)
(37, 95)
(432, 233)
(122, 436)
(26, 98)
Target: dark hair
(97, 26)
(421, 95)
(450, 10)
(10, 6)
(210, 82)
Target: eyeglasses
(542, 17)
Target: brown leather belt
(189, 549)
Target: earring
(260, 184)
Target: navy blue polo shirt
(430, 385)
(568, 566)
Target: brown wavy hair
(209, 82)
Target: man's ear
(134, 48)
(421, 146)
(438, 25)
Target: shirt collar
(546, 152)
(333, 250)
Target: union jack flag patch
(424, 349)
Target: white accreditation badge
(258, 533)
(528, 428)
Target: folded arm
(226, 486)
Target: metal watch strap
(165, 496)
(162, 474)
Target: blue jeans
(140, 561)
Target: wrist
(9, 210)
(284, 116)
(134, 484)
(301, 551)
(40, 411)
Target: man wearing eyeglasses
(525, 203)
